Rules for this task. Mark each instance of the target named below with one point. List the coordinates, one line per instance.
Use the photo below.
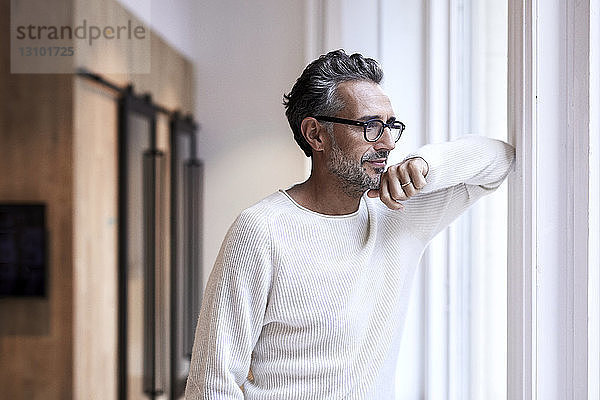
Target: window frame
(563, 293)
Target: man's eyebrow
(368, 117)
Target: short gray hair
(315, 91)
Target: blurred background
(128, 165)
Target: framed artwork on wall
(23, 260)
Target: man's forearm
(472, 160)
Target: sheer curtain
(445, 71)
(459, 304)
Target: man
(310, 289)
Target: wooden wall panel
(95, 241)
(36, 166)
(95, 164)
(58, 145)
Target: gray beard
(353, 176)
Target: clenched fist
(401, 181)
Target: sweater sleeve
(460, 172)
(232, 312)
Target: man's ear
(313, 133)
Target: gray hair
(315, 91)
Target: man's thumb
(373, 193)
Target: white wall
(249, 55)
(176, 22)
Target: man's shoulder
(272, 204)
(261, 214)
(247, 243)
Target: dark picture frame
(23, 250)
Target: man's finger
(406, 181)
(384, 195)
(394, 186)
(416, 176)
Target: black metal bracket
(186, 222)
(144, 100)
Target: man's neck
(323, 193)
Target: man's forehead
(363, 98)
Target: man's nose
(385, 142)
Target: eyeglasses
(373, 128)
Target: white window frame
(521, 257)
(553, 304)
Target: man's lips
(379, 163)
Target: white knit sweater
(315, 304)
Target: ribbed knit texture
(315, 305)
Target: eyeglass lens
(374, 129)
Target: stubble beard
(353, 176)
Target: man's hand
(401, 181)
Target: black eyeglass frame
(365, 124)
